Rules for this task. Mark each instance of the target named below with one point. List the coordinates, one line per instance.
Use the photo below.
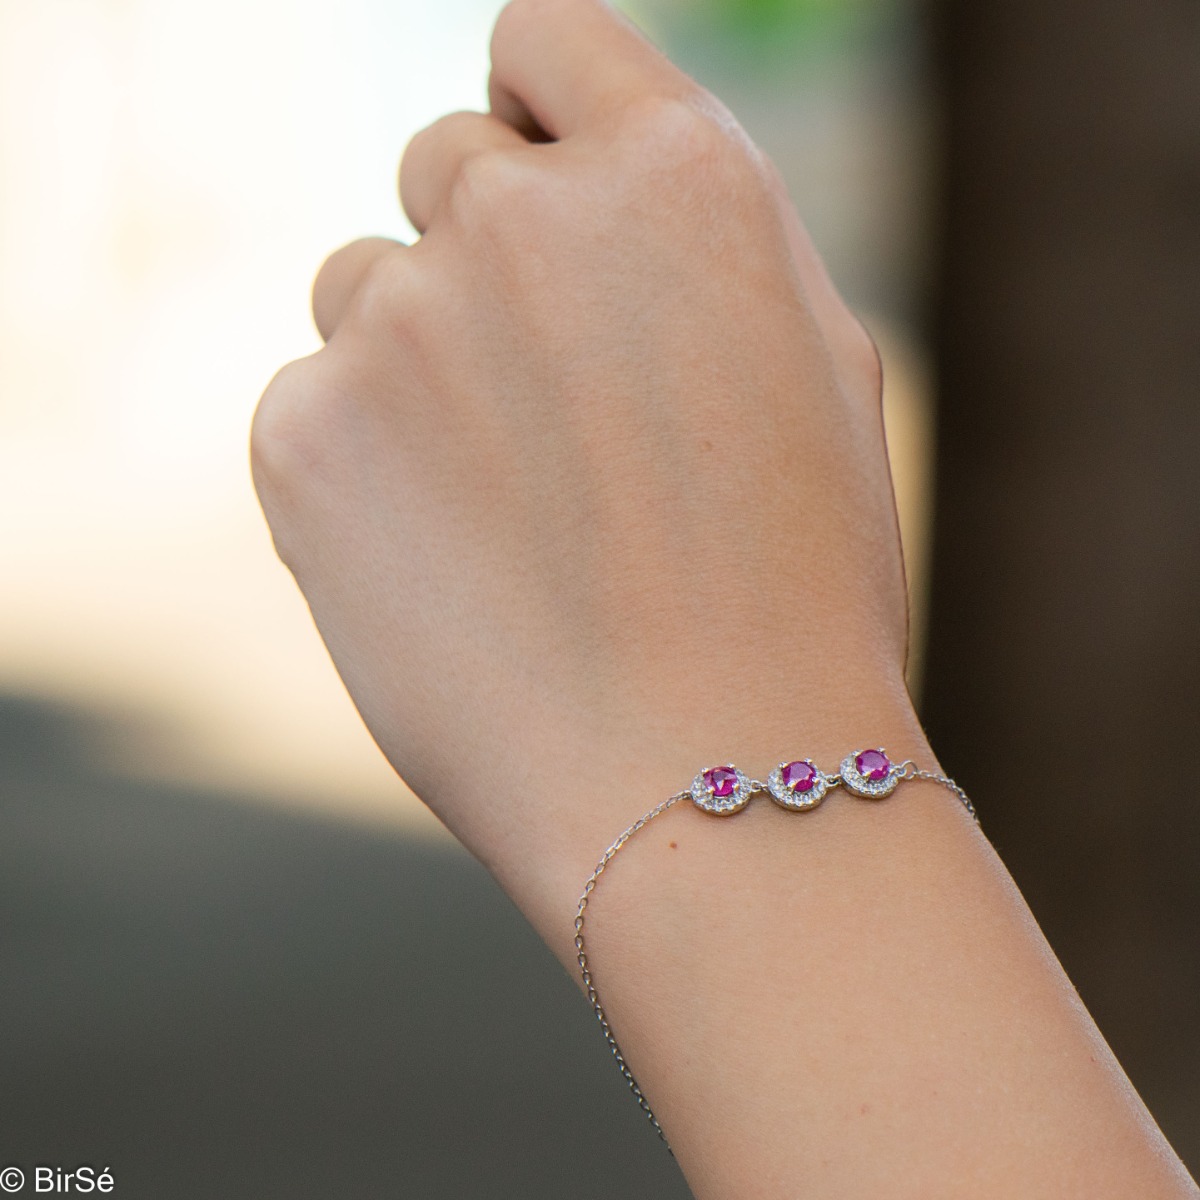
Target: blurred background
(239, 958)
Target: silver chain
(910, 770)
(585, 970)
(905, 770)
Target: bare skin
(588, 490)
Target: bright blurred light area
(172, 175)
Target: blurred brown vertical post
(1063, 677)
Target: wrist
(848, 997)
(606, 787)
(714, 935)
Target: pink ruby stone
(721, 780)
(799, 776)
(872, 765)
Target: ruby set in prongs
(798, 784)
(723, 790)
(869, 773)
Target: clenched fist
(588, 487)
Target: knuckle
(268, 429)
(511, 22)
(387, 290)
(491, 183)
(395, 307)
(435, 133)
(285, 433)
(672, 122)
(691, 134)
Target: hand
(588, 487)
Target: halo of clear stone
(860, 785)
(722, 805)
(798, 800)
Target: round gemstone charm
(721, 790)
(870, 773)
(798, 784)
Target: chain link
(910, 770)
(586, 971)
(905, 770)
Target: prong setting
(869, 773)
(798, 784)
(722, 790)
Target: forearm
(856, 1001)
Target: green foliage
(794, 21)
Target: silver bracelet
(798, 785)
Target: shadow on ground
(216, 999)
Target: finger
(564, 63)
(340, 276)
(507, 108)
(434, 157)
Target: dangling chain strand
(945, 781)
(724, 790)
(585, 970)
